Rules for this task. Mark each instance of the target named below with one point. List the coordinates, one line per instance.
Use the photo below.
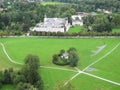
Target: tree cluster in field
(27, 78)
(66, 58)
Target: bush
(0, 82)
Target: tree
(55, 57)
(19, 78)
(102, 26)
(26, 27)
(39, 85)
(116, 20)
(1, 81)
(62, 51)
(27, 78)
(7, 77)
(1, 33)
(25, 86)
(32, 61)
(30, 71)
(73, 57)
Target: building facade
(53, 25)
(77, 19)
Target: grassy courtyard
(116, 30)
(75, 29)
(107, 67)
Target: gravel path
(82, 71)
(11, 60)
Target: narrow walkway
(102, 57)
(110, 81)
(4, 50)
(82, 71)
(58, 68)
(77, 70)
(11, 60)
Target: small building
(77, 19)
(65, 55)
(106, 11)
(1, 9)
(53, 25)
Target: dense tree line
(82, 33)
(27, 78)
(99, 23)
(20, 16)
(102, 23)
(92, 5)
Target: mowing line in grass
(102, 57)
(80, 72)
(58, 68)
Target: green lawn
(53, 77)
(75, 29)
(8, 87)
(107, 68)
(116, 30)
(51, 3)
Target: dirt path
(77, 70)
(82, 71)
(11, 60)
(102, 57)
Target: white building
(1, 0)
(77, 19)
(106, 11)
(53, 25)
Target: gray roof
(54, 22)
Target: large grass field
(51, 3)
(107, 67)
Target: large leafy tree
(30, 70)
(73, 57)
